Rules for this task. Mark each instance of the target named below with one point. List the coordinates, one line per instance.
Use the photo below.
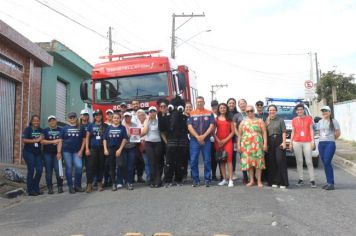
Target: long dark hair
(228, 115)
(331, 123)
(235, 109)
(32, 118)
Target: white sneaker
(231, 184)
(282, 187)
(119, 186)
(274, 186)
(234, 176)
(222, 183)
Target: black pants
(277, 163)
(139, 163)
(154, 153)
(214, 163)
(186, 161)
(116, 162)
(95, 165)
(176, 150)
(162, 158)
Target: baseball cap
(109, 110)
(152, 108)
(127, 114)
(123, 104)
(325, 108)
(71, 114)
(259, 103)
(51, 117)
(97, 112)
(214, 103)
(84, 112)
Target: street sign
(309, 89)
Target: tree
(345, 87)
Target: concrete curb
(347, 165)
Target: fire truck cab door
(86, 90)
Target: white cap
(109, 110)
(51, 117)
(127, 114)
(84, 111)
(325, 108)
(152, 108)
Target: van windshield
(287, 112)
(148, 86)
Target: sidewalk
(345, 156)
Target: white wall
(345, 113)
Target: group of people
(130, 143)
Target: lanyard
(301, 123)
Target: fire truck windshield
(148, 86)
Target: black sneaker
(130, 187)
(300, 183)
(312, 184)
(114, 187)
(140, 180)
(79, 189)
(330, 187)
(60, 189)
(50, 190)
(33, 194)
(71, 190)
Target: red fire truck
(143, 76)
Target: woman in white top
(153, 146)
(141, 115)
(329, 131)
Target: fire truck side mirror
(181, 81)
(85, 91)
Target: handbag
(220, 155)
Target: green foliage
(345, 87)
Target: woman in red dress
(223, 140)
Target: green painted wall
(69, 68)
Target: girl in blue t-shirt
(115, 138)
(71, 147)
(94, 151)
(32, 137)
(51, 154)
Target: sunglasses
(72, 117)
(249, 111)
(324, 110)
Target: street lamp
(195, 35)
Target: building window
(61, 101)
(10, 63)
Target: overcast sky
(259, 48)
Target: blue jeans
(51, 163)
(326, 152)
(195, 149)
(147, 166)
(70, 160)
(34, 163)
(127, 159)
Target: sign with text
(309, 89)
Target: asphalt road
(191, 211)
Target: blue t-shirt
(72, 137)
(50, 135)
(30, 133)
(115, 135)
(85, 127)
(96, 134)
(201, 121)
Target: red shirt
(301, 126)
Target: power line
(240, 67)
(78, 23)
(249, 52)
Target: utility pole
(215, 88)
(110, 43)
(174, 29)
(317, 68)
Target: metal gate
(61, 101)
(7, 119)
